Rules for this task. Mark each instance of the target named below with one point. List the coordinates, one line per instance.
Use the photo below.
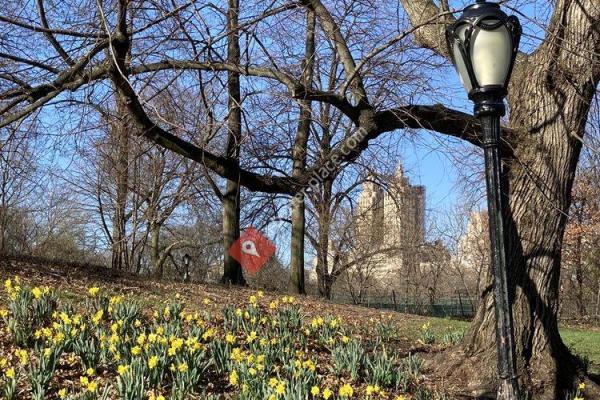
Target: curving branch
(41, 29)
(432, 22)
(292, 83)
(49, 36)
(332, 30)
(32, 63)
(295, 87)
(70, 79)
(436, 118)
(222, 166)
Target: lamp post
(186, 263)
(483, 44)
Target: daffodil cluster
(111, 347)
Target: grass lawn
(585, 343)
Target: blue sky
(430, 159)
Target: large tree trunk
(549, 108)
(232, 270)
(121, 176)
(296, 283)
(120, 138)
(155, 255)
(325, 279)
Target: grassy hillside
(75, 333)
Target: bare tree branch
(431, 22)
(59, 49)
(334, 34)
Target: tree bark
(232, 270)
(296, 283)
(324, 278)
(3, 226)
(120, 132)
(155, 256)
(121, 177)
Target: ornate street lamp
(186, 264)
(483, 44)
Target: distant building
(392, 221)
(388, 252)
(472, 255)
(473, 246)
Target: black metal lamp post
(483, 44)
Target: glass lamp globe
(483, 44)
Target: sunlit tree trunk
(296, 283)
(120, 136)
(232, 270)
(324, 278)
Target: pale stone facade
(472, 255)
(392, 221)
(390, 230)
(473, 247)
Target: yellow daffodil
(346, 391)
(280, 389)
(22, 356)
(37, 292)
(136, 350)
(183, 367)
(10, 373)
(233, 378)
(92, 386)
(152, 362)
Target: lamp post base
(508, 388)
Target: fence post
(462, 312)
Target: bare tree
(549, 98)
(232, 272)
(18, 182)
(299, 151)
